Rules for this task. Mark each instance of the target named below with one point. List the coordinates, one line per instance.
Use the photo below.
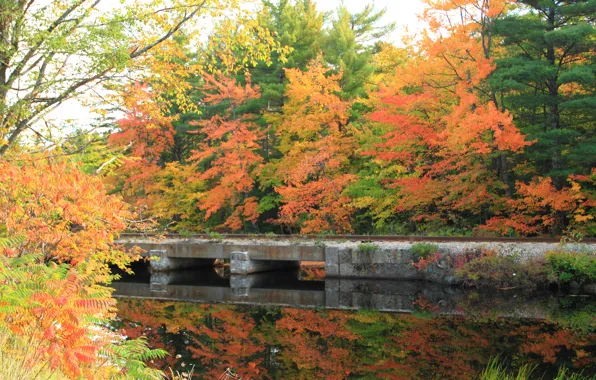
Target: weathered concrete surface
(201, 248)
(162, 262)
(394, 260)
(385, 263)
(242, 263)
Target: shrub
(51, 317)
(53, 310)
(492, 270)
(423, 250)
(61, 212)
(215, 236)
(495, 370)
(565, 267)
(367, 247)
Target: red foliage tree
(227, 156)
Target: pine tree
(548, 80)
(350, 46)
(298, 25)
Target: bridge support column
(241, 263)
(165, 263)
(331, 262)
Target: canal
(297, 325)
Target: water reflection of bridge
(286, 289)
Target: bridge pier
(165, 263)
(241, 263)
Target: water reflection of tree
(305, 344)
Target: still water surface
(284, 326)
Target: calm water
(285, 326)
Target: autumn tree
(145, 134)
(61, 212)
(227, 158)
(316, 146)
(56, 248)
(443, 157)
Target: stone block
(348, 285)
(345, 256)
(405, 256)
(385, 256)
(345, 300)
(240, 285)
(332, 298)
(331, 255)
(347, 270)
(590, 288)
(388, 271)
(362, 257)
(332, 270)
(332, 284)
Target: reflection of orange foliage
(424, 304)
(548, 344)
(312, 272)
(314, 342)
(310, 344)
(231, 343)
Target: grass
(19, 363)
(495, 370)
(367, 247)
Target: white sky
(403, 12)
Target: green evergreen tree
(350, 46)
(547, 78)
(296, 24)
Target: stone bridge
(389, 260)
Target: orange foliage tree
(449, 142)
(227, 157)
(316, 147)
(318, 345)
(146, 134)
